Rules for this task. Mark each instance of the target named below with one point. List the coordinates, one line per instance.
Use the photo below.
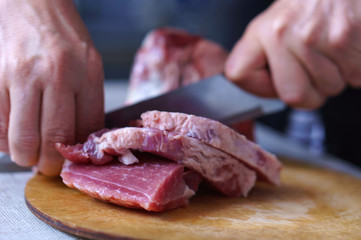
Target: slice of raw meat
(170, 58)
(219, 136)
(224, 172)
(130, 186)
(87, 152)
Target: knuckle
(339, 37)
(256, 23)
(26, 142)
(61, 55)
(307, 35)
(280, 26)
(51, 137)
(23, 67)
(95, 57)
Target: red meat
(153, 184)
(170, 58)
(223, 171)
(219, 136)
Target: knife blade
(215, 98)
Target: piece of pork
(130, 186)
(170, 58)
(224, 172)
(86, 152)
(219, 136)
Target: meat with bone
(129, 185)
(223, 171)
(219, 136)
(170, 58)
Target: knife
(215, 98)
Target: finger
(323, 72)
(343, 45)
(4, 120)
(351, 69)
(247, 65)
(57, 125)
(90, 99)
(348, 61)
(89, 110)
(23, 132)
(259, 83)
(291, 79)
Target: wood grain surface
(312, 203)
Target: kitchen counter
(17, 222)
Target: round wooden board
(312, 203)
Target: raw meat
(129, 185)
(219, 136)
(224, 172)
(87, 152)
(170, 58)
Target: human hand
(51, 81)
(301, 51)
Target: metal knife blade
(215, 98)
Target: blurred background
(118, 27)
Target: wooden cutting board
(312, 203)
